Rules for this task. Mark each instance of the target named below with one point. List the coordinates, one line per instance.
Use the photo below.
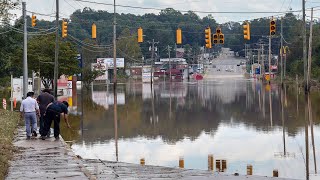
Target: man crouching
(53, 112)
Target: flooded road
(242, 122)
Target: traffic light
(140, 35)
(215, 39)
(179, 36)
(218, 30)
(94, 31)
(272, 27)
(64, 28)
(221, 38)
(208, 38)
(33, 20)
(246, 31)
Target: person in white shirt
(29, 110)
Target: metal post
(269, 59)
(305, 64)
(114, 45)
(281, 52)
(56, 54)
(310, 52)
(25, 58)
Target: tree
(5, 7)
(41, 53)
(128, 47)
(90, 75)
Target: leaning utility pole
(56, 54)
(281, 52)
(310, 52)
(114, 45)
(305, 64)
(25, 57)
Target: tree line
(160, 27)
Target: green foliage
(41, 53)
(5, 7)
(90, 75)
(128, 47)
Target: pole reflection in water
(282, 119)
(263, 102)
(170, 112)
(306, 135)
(270, 104)
(192, 123)
(312, 133)
(115, 117)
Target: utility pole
(25, 58)
(310, 51)
(114, 46)
(305, 64)
(269, 59)
(56, 54)
(115, 99)
(152, 57)
(281, 52)
(169, 63)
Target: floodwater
(240, 121)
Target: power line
(206, 12)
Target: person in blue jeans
(29, 110)
(53, 113)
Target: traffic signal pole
(269, 59)
(56, 54)
(25, 60)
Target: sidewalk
(50, 159)
(39, 159)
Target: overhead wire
(206, 12)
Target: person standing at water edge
(44, 99)
(29, 109)
(53, 112)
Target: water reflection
(229, 119)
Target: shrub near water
(8, 121)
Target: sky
(69, 6)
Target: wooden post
(181, 162)
(218, 165)
(142, 162)
(275, 173)
(249, 169)
(224, 165)
(210, 162)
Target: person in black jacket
(53, 113)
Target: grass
(8, 124)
